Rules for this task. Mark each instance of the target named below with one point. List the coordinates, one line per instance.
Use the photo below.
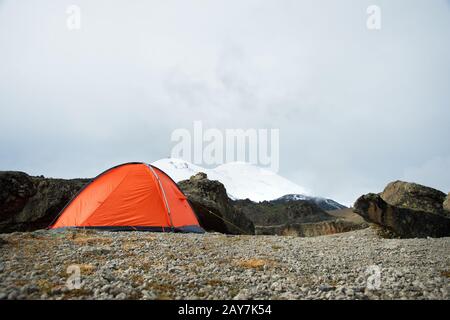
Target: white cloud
(434, 172)
(354, 107)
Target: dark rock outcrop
(29, 203)
(275, 212)
(214, 209)
(301, 218)
(403, 221)
(312, 229)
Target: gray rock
(407, 223)
(29, 203)
(148, 295)
(413, 196)
(241, 296)
(446, 203)
(13, 295)
(325, 288)
(350, 292)
(121, 296)
(212, 206)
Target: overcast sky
(356, 108)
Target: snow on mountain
(323, 203)
(242, 180)
(178, 169)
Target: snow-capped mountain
(246, 181)
(323, 203)
(242, 180)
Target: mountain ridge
(246, 181)
(323, 203)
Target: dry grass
(231, 238)
(127, 246)
(83, 241)
(145, 264)
(87, 269)
(136, 242)
(77, 293)
(20, 283)
(44, 285)
(254, 263)
(289, 232)
(137, 278)
(87, 237)
(445, 273)
(164, 291)
(79, 233)
(214, 282)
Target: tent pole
(164, 196)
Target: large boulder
(413, 196)
(446, 204)
(16, 188)
(403, 221)
(29, 203)
(214, 209)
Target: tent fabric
(134, 196)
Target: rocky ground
(139, 265)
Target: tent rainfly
(131, 196)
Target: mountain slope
(269, 213)
(246, 181)
(242, 180)
(322, 203)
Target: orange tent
(131, 196)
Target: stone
(13, 295)
(29, 203)
(403, 222)
(212, 206)
(121, 296)
(148, 295)
(446, 203)
(325, 288)
(241, 296)
(413, 196)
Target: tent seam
(158, 180)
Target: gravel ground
(142, 265)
